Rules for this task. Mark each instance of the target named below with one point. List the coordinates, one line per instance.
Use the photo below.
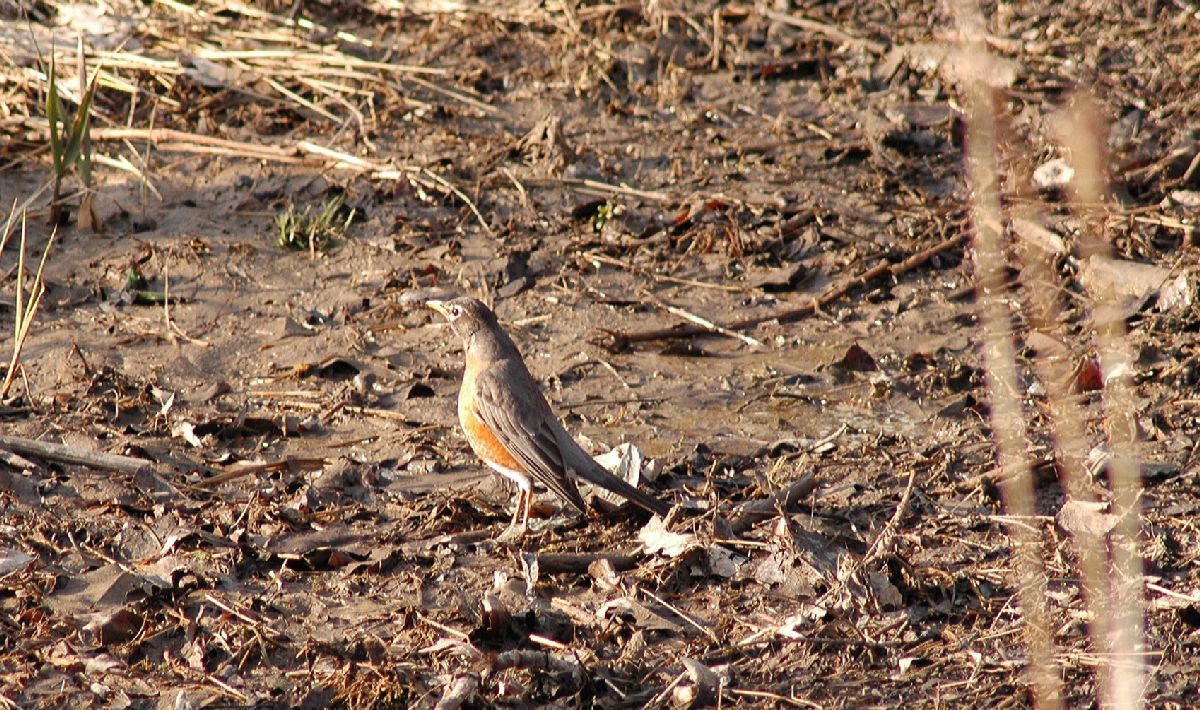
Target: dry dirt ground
(313, 531)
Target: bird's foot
(513, 533)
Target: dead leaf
(287, 327)
(212, 75)
(1088, 376)
(857, 359)
(1032, 234)
(88, 219)
(722, 562)
(166, 400)
(644, 617)
(1176, 294)
(655, 538)
(13, 560)
(1120, 284)
(699, 687)
(625, 462)
(604, 574)
(1186, 198)
(187, 432)
(783, 278)
(808, 615)
(887, 596)
(99, 589)
(115, 627)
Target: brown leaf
(857, 359)
(1123, 286)
(115, 627)
(783, 278)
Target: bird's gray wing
(511, 405)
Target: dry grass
(26, 304)
(1108, 563)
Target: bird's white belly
(518, 477)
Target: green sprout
(604, 214)
(70, 138)
(313, 231)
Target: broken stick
(747, 514)
(617, 340)
(70, 454)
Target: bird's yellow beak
(439, 306)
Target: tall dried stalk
(1078, 130)
(1007, 414)
(1113, 601)
(25, 311)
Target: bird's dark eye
(455, 312)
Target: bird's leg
(526, 498)
(515, 529)
(517, 510)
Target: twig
(1008, 418)
(229, 689)
(884, 538)
(445, 629)
(821, 28)
(302, 153)
(24, 314)
(762, 694)
(349, 409)
(680, 613)
(260, 627)
(459, 193)
(171, 139)
(661, 697)
(709, 325)
(605, 188)
(612, 261)
(606, 402)
(458, 692)
(715, 64)
(618, 339)
(517, 183)
(70, 454)
(536, 660)
(572, 563)
(289, 463)
(747, 514)
(458, 96)
(1123, 681)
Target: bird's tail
(598, 475)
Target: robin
(510, 425)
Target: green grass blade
(54, 113)
(79, 127)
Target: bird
(510, 425)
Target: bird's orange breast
(483, 442)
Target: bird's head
(467, 316)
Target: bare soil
(609, 162)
